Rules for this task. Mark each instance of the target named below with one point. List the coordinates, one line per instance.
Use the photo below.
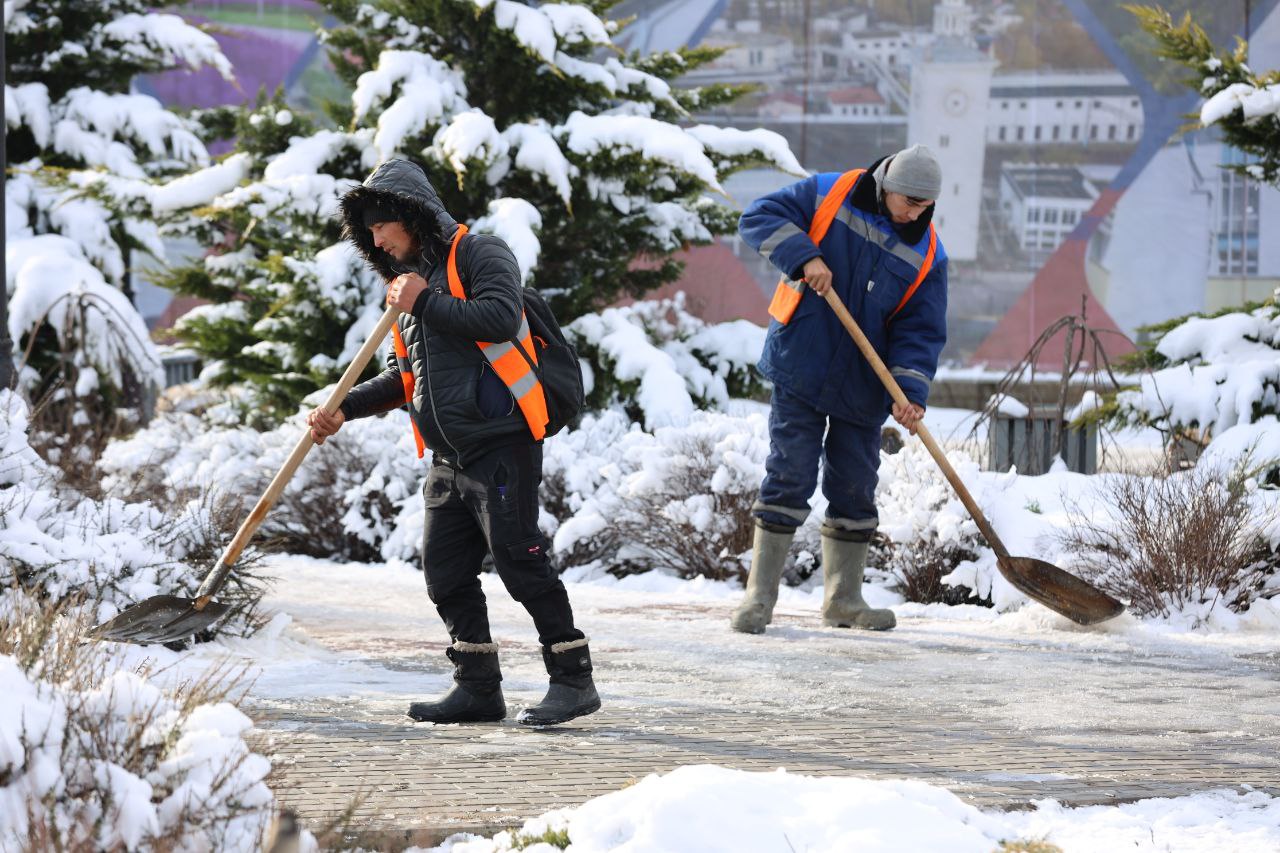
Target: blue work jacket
(873, 263)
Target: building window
(1093, 131)
(1022, 105)
(944, 140)
(1001, 134)
(1134, 103)
(1069, 217)
(1037, 137)
(1056, 131)
(1058, 104)
(1238, 222)
(1075, 131)
(1097, 105)
(1033, 214)
(1004, 105)
(1079, 104)
(1133, 131)
(1051, 216)
(957, 190)
(1111, 132)
(1020, 134)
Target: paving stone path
(999, 720)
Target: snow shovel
(165, 618)
(1057, 590)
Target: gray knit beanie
(914, 172)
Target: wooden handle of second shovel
(900, 398)
(213, 581)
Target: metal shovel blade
(1078, 600)
(159, 619)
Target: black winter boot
(572, 692)
(476, 696)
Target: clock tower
(950, 87)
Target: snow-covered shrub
(1212, 375)
(677, 499)
(660, 363)
(925, 531)
(1182, 544)
(93, 757)
(59, 544)
(357, 497)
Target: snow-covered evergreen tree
(532, 127)
(89, 159)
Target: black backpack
(558, 367)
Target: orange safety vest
(514, 368)
(786, 296)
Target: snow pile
(660, 362)
(102, 759)
(784, 811)
(1220, 373)
(60, 544)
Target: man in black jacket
(482, 491)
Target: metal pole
(6, 345)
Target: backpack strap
(786, 296)
(514, 361)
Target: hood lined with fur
(402, 188)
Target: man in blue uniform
(882, 256)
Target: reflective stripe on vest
(786, 297)
(925, 266)
(513, 367)
(406, 378)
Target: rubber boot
(843, 563)
(768, 557)
(571, 694)
(476, 696)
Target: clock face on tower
(956, 102)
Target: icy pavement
(1000, 710)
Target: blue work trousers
(798, 435)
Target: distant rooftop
(855, 95)
(1049, 182)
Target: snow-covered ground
(362, 641)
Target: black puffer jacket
(460, 405)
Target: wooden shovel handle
(214, 580)
(900, 398)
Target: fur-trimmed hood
(402, 187)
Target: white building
(886, 47)
(1072, 107)
(751, 56)
(856, 102)
(950, 87)
(840, 22)
(1043, 204)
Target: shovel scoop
(166, 618)
(160, 619)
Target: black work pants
(491, 505)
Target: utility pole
(6, 345)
